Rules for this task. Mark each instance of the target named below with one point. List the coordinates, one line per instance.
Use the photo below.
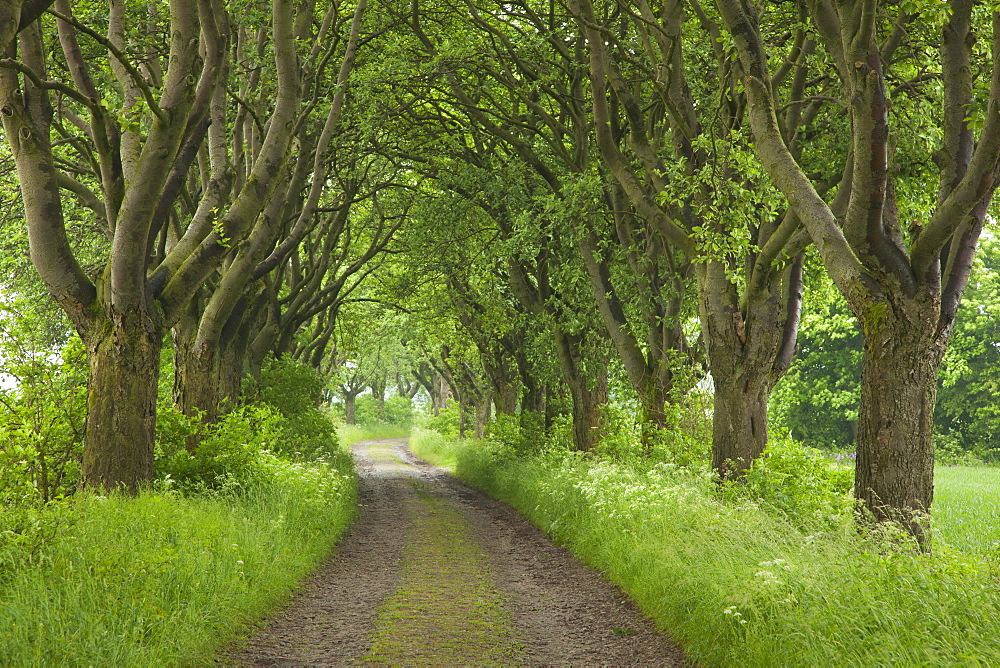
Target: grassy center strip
(447, 609)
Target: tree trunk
(533, 395)
(654, 415)
(124, 359)
(378, 386)
(506, 399)
(463, 416)
(739, 425)
(207, 374)
(443, 393)
(196, 381)
(588, 394)
(482, 415)
(231, 361)
(349, 408)
(649, 368)
(745, 358)
(894, 478)
(587, 403)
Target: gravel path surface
(539, 606)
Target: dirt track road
(436, 573)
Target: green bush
(507, 432)
(446, 422)
(685, 440)
(952, 450)
(41, 419)
(398, 410)
(366, 410)
(308, 435)
(395, 410)
(800, 483)
(295, 390)
(290, 386)
(225, 454)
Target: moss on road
(447, 609)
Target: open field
(967, 509)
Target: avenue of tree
(533, 207)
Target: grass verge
(735, 585)
(164, 579)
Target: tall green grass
(350, 434)
(967, 509)
(164, 579)
(734, 585)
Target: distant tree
(968, 407)
(817, 401)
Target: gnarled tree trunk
(739, 423)
(483, 405)
(747, 355)
(894, 477)
(124, 358)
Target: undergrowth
(164, 579)
(240, 511)
(736, 581)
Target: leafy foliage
(817, 401)
(800, 483)
(43, 375)
(395, 410)
(226, 454)
(296, 390)
(967, 415)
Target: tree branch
(135, 74)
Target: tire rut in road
(434, 572)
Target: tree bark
(506, 398)
(378, 385)
(196, 381)
(742, 355)
(124, 358)
(482, 415)
(894, 478)
(588, 394)
(207, 372)
(739, 424)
